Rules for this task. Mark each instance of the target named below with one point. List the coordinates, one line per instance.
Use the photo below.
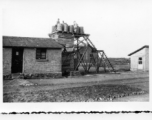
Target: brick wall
(7, 60)
(31, 65)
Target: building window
(40, 53)
(140, 60)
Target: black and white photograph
(76, 52)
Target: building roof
(146, 46)
(30, 42)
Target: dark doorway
(17, 60)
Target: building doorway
(140, 63)
(17, 60)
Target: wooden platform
(68, 33)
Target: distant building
(140, 59)
(31, 56)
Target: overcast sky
(116, 26)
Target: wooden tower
(79, 51)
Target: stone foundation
(7, 77)
(33, 76)
(42, 75)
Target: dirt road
(132, 79)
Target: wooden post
(81, 59)
(77, 54)
(109, 62)
(97, 64)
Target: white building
(140, 59)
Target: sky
(118, 27)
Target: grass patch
(76, 94)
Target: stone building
(31, 57)
(140, 59)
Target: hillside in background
(120, 64)
(119, 61)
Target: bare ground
(127, 86)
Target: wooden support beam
(105, 64)
(109, 62)
(90, 64)
(93, 62)
(91, 42)
(81, 42)
(81, 59)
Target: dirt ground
(122, 87)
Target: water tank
(65, 27)
(53, 28)
(77, 30)
(59, 27)
(71, 29)
(81, 30)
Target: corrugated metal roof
(146, 46)
(11, 41)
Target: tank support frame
(98, 60)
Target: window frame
(41, 57)
(140, 61)
(140, 58)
